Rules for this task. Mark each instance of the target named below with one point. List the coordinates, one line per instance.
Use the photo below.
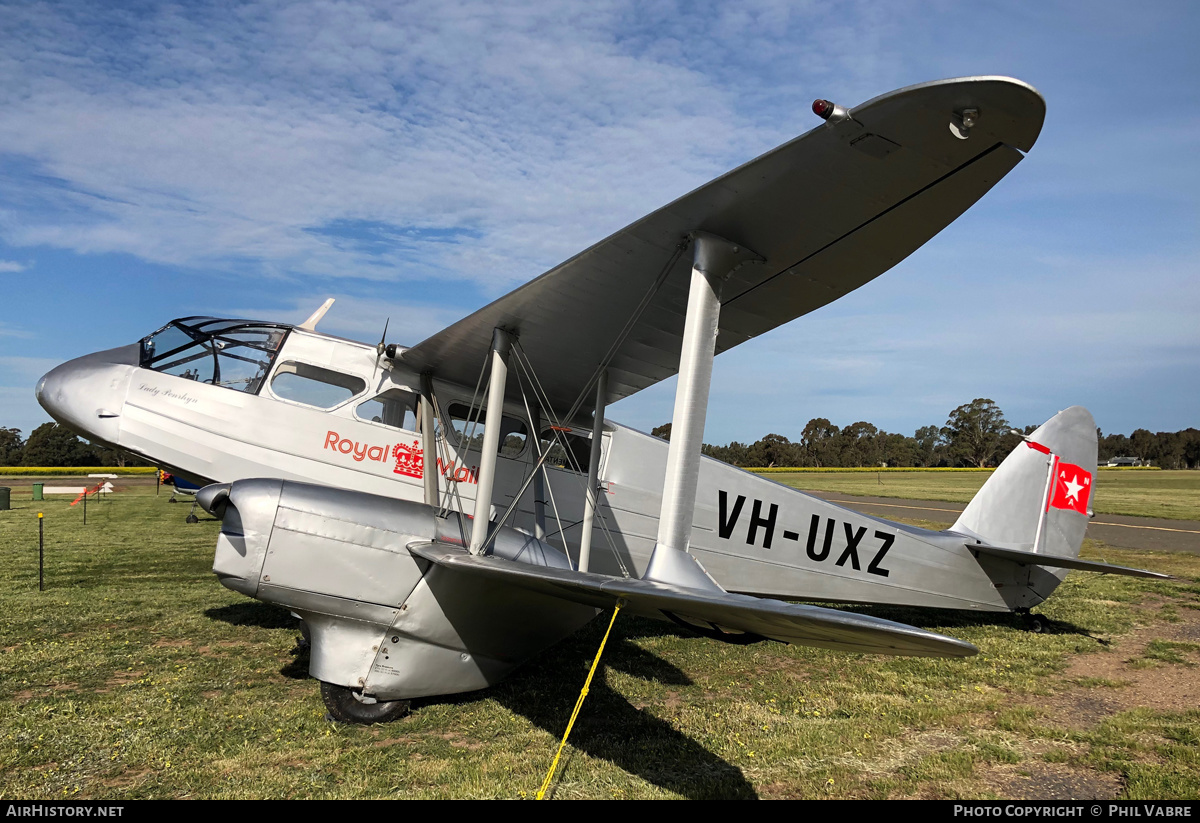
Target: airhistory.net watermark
(61, 810)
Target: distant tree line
(51, 445)
(1168, 450)
(976, 434)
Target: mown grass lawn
(136, 675)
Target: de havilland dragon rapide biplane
(438, 514)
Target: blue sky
(418, 160)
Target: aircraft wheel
(1038, 624)
(347, 706)
(191, 518)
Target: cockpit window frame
(202, 331)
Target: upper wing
(830, 211)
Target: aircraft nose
(87, 394)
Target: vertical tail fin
(1039, 497)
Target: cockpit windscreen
(235, 354)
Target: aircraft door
(571, 449)
(397, 410)
(566, 473)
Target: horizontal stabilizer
(775, 619)
(1034, 559)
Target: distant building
(1127, 461)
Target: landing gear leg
(347, 706)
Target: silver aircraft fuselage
(752, 535)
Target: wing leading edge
(829, 211)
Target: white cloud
(487, 142)
(186, 138)
(11, 266)
(358, 318)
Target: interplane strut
(713, 260)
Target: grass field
(1170, 494)
(136, 675)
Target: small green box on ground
(37, 491)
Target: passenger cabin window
(315, 386)
(395, 407)
(233, 354)
(468, 428)
(568, 450)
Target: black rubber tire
(345, 707)
(1038, 624)
(191, 518)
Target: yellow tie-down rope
(541, 795)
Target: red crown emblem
(410, 460)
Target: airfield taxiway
(1147, 533)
